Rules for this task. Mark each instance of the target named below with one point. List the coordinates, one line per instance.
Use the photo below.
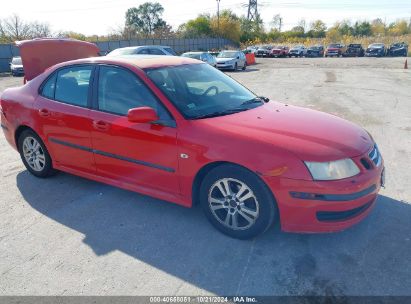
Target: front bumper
(336, 206)
(225, 66)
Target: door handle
(44, 112)
(100, 125)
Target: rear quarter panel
(17, 111)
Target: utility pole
(252, 14)
(218, 22)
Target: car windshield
(227, 55)
(201, 91)
(376, 45)
(170, 50)
(192, 55)
(125, 51)
(16, 61)
(334, 46)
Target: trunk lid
(39, 54)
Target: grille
(375, 156)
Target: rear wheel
(237, 202)
(34, 154)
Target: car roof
(139, 61)
(142, 46)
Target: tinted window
(120, 90)
(156, 52)
(143, 51)
(171, 51)
(49, 87)
(72, 85)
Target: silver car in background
(231, 60)
(203, 56)
(143, 50)
(16, 66)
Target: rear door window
(72, 85)
(49, 87)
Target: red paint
(281, 51)
(271, 140)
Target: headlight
(333, 170)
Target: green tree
(200, 26)
(228, 27)
(145, 19)
(362, 28)
(378, 27)
(345, 28)
(251, 30)
(399, 28)
(317, 29)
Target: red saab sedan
(179, 130)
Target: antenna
(252, 14)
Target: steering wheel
(210, 89)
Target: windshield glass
(170, 50)
(334, 46)
(126, 51)
(16, 61)
(199, 90)
(378, 45)
(192, 55)
(227, 55)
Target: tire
(29, 143)
(235, 67)
(245, 66)
(260, 204)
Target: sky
(102, 16)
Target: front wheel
(245, 66)
(34, 154)
(237, 202)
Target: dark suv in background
(375, 50)
(354, 50)
(315, 51)
(398, 49)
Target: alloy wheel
(233, 203)
(34, 154)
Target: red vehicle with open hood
(179, 130)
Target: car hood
(310, 135)
(224, 59)
(39, 54)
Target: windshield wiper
(220, 113)
(258, 99)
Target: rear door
(64, 116)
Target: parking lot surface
(69, 236)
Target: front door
(143, 154)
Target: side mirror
(142, 115)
